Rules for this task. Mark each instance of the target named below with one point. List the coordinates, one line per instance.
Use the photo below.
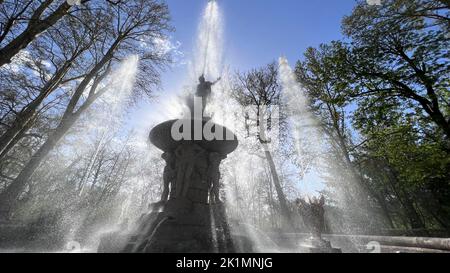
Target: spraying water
(306, 134)
(245, 172)
(242, 172)
(102, 124)
(208, 55)
(206, 60)
(310, 140)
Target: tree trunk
(9, 196)
(285, 211)
(413, 216)
(97, 172)
(366, 189)
(25, 117)
(408, 205)
(440, 120)
(271, 203)
(276, 182)
(35, 27)
(90, 165)
(445, 2)
(385, 212)
(17, 138)
(435, 113)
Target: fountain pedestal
(319, 245)
(191, 218)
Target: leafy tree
(328, 91)
(397, 62)
(403, 57)
(386, 86)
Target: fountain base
(319, 245)
(193, 219)
(183, 227)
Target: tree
(59, 57)
(131, 23)
(260, 90)
(397, 62)
(41, 17)
(328, 91)
(387, 88)
(403, 57)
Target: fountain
(190, 217)
(312, 212)
(193, 214)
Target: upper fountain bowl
(224, 142)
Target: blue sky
(256, 33)
(259, 31)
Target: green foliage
(387, 88)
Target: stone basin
(161, 136)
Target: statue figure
(213, 176)
(169, 176)
(186, 161)
(313, 215)
(204, 90)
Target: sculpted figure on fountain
(204, 90)
(169, 175)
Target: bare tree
(132, 22)
(42, 15)
(58, 57)
(260, 89)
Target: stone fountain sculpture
(204, 90)
(190, 216)
(313, 214)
